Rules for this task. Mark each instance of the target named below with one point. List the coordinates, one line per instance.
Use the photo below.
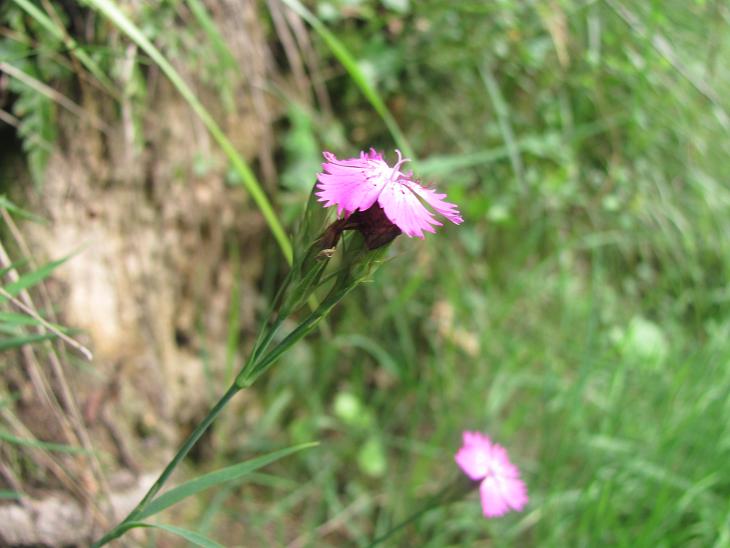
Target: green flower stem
(356, 269)
(249, 374)
(247, 377)
(303, 290)
(451, 492)
(179, 456)
(261, 345)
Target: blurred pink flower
(501, 488)
(358, 183)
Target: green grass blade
(15, 342)
(110, 10)
(12, 208)
(350, 63)
(225, 57)
(45, 445)
(217, 505)
(33, 278)
(69, 42)
(9, 329)
(224, 475)
(539, 145)
(505, 126)
(16, 319)
(12, 266)
(191, 536)
(6, 494)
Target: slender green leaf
(5, 494)
(14, 266)
(32, 278)
(37, 444)
(188, 444)
(20, 319)
(224, 475)
(15, 342)
(372, 347)
(16, 319)
(10, 329)
(190, 536)
(225, 58)
(10, 206)
(505, 125)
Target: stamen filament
(400, 162)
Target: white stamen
(400, 162)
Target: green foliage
(31, 52)
(579, 315)
(302, 152)
(6, 204)
(48, 446)
(11, 343)
(205, 53)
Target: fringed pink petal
(501, 488)
(406, 211)
(494, 503)
(437, 202)
(472, 462)
(350, 184)
(356, 184)
(515, 492)
(477, 439)
(500, 495)
(501, 463)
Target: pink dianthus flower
(500, 488)
(356, 184)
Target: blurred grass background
(579, 315)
